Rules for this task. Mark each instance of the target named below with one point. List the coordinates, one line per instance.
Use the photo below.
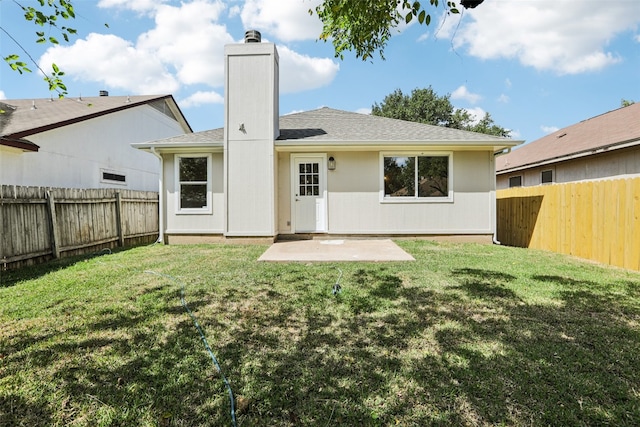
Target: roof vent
(104, 93)
(252, 36)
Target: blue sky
(534, 65)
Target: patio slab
(335, 250)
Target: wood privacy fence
(37, 224)
(597, 220)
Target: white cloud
(476, 114)
(286, 20)
(201, 98)
(463, 93)
(365, 110)
(503, 98)
(185, 46)
(114, 62)
(301, 72)
(2, 95)
(507, 83)
(188, 39)
(564, 36)
(140, 6)
(549, 129)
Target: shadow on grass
(385, 351)
(11, 277)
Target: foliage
(466, 335)
(366, 25)
(48, 17)
(426, 106)
(626, 102)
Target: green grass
(467, 335)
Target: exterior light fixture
(331, 164)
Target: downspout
(160, 197)
(495, 202)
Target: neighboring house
(320, 172)
(85, 142)
(604, 146)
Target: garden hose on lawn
(204, 340)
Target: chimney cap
(252, 36)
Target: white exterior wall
(75, 156)
(624, 162)
(251, 125)
(193, 223)
(355, 206)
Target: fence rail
(597, 220)
(39, 223)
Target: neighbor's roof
(614, 129)
(326, 126)
(20, 118)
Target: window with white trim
(417, 177)
(546, 177)
(193, 175)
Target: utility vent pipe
(104, 93)
(252, 36)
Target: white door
(309, 207)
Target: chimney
(104, 93)
(252, 36)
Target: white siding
(250, 128)
(74, 156)
(211, 223)
(354, 198)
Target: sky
(535, 65)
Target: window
(417, 177)
(194, 183)
(309, 184)
(547, 176)
(515, 181)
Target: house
(85, 142)
(320, 172)
(604, 146)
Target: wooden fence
(597, 220)
(38, 224)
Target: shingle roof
(23, 117)
(337, 127)
(617, 127)
(329, 125)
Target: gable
(616, 129)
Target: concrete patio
(337, 250)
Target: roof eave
(175, 147)
(287, 145)
(572, 156)
(19, 143)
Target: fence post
(53, 225)
(120, 226)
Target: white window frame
(208, 209)
(415, 199)
(516, 186)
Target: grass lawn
(468, 335)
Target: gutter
(160, 197)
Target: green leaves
(16, 65)
(365, 26)
(47, 15)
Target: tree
(46, 18)
(365, 25)
(426, 106)
(626, 102)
